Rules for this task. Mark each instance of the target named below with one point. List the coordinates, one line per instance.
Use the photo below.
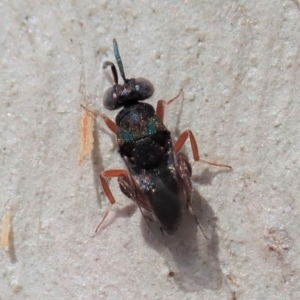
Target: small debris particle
(87, 139)
(6, 227)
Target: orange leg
(107, 191)
(109, 123)
(161, 104)
(181, 141)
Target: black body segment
(158, 176)
(141, 135)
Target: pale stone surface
(238, 63)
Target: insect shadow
(189, 255)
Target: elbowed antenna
(118, 59)
(113, 70)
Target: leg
(185, 173)
(133, 191)
(127, 187)
(161, 104)
(109, 123)
(106, 189)
(181, 141)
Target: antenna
(113, 70)
(118, 59)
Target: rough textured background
(238, 63)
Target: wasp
(157, 175)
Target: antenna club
(118, 59)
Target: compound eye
(144, 88)
(110, 99)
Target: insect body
(158, 176)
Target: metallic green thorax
(128, 133)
